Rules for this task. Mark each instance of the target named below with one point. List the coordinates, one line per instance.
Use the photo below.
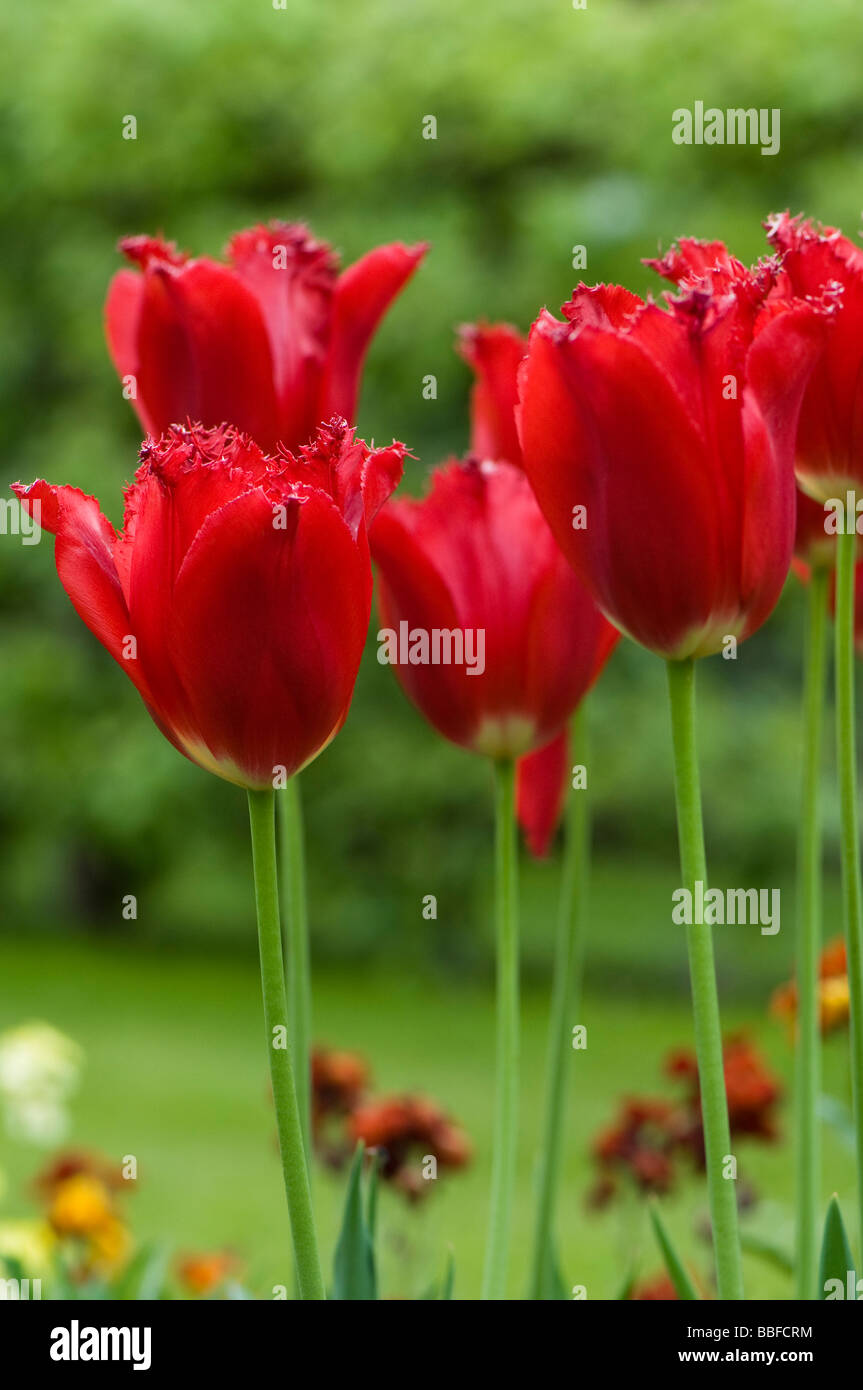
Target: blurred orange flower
(834, 1002)
(401, 1127)
(204, 1273)
(79, 1191)
(657, 1289)
(339, 1082)
(649, 1134)
(752, 1089)
(80, 1205)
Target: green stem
(846, 754)
(506, 1079)
(705, 1000)
(306, 1260)
(296, 931)
(808, 1158)
(565, 1003)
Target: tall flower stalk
(846, 753)
(809, 888)
(505, 1150)
(295, 934)
(565, 1004)
(705, 999)
(291, 1141)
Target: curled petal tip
(145, 251)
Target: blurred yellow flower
(834, 998)
(80, 1205)
(109, 1246)
(834, 1003)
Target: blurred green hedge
(554, 128)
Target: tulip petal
(358, 479)
(477, 557)
(265, 638)
(122, 316)
(541, 779)
(363, 294)
(410, 583)
(188, 475)
(648, 551)
(203, 352)
(84, 558)
(821, 261)
(690, 259)
(83, 554)
(293, 278)
(494, 351)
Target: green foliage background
(553, 129)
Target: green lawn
(176, 1074)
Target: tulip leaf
(354, 1275)
(627, 1284)
(752, 1243)
(550, 1287)
(435, 1291)
(143, 1279)
(837, 1262)
(372, 1195)
(677, 1273)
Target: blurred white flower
(39, 1071)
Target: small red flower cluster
(640, 1144)
(651, 1133)
(407, 1131)
(339, 1082)
(403, 1130)
(203, 1274)
(752, 1090)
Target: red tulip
(494, 351)
(273, 342)
(476, 559)
(822, 262)
(659, 442)
(237, 595)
